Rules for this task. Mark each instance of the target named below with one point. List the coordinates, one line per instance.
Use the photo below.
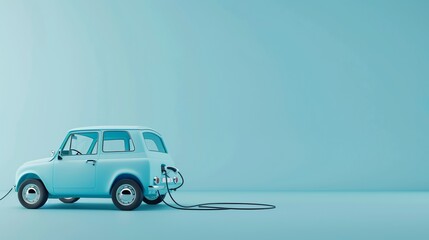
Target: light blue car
(121, 162)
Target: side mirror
(59, 156)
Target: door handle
(91, 161)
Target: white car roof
(112, 127)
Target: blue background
(249, 95)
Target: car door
(75, 168)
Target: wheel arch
(28, 176)
(126, 176)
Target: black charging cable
(209, 206)
(7, 193)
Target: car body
(91, 160)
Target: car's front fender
(42, 171)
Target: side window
(83, 143)
(154, 142)
(117, 141)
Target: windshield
(84, 143)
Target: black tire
(69, 200)
(127, 194)
(32, 194)
(154, 201)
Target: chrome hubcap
(31, 194)
(126, 194)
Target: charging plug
(175, 170)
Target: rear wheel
(32, 194)
(69, 200)
(153, 200)
(127, 194)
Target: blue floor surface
(299, 215)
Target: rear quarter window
(154, 142)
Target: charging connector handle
(173, 169)
(164, 168)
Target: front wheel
(127, 194)
(69, 200)
(154, 200)
(32, 194)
